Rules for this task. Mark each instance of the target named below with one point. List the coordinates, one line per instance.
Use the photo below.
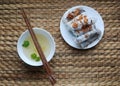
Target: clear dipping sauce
(44, 43)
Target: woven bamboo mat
(99, 66)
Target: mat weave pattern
(99, 66)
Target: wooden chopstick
(39, 49)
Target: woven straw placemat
(99, 66)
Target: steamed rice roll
(79, 21)
(87, 35)
(71, 15)
(90, 40)
(83, 30)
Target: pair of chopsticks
(39, 49)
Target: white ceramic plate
(68, 37)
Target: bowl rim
(20, 50)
